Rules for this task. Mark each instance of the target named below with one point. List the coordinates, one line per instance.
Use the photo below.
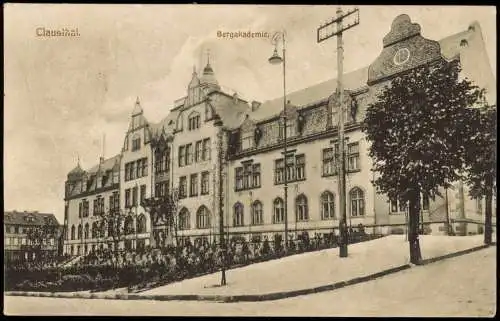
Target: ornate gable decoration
(404, 49)
(196, 93)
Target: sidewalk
(317, 269)
(298, 274)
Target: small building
(30, 236)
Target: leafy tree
(418, 128)
(38, 235)
(481, 162)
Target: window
(80, 231)
(290, 128)
(398, 206)
(86, 231)
(184, 219)
(159, 162)
(182, 187)
(425, 202)
(127, 172)
(247, 141)
(134, 196)
(239, 178)
(294, 171)
(80, 210)
(94, 231)
(205, 183)
(127, 197)
(279, 171)
(198, 151)
(301, 208)
(132, 170)
(138, 168)
(143, 193)
(189, 154)
(357, 198)
(327, 206)
(329, 161)
(279, 211)
(238, 215)
(72, 232)
(182, 157)
(136, 144)
(202, 218)
(257, 218)
(247, 175)
(256, 175)
(144, 167)
(353, 157)
(85, 208)
(194, 122)
(206, 149)
(141, 224)
(300, 167)
(193, 188)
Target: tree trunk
(414, 217)
(488, 212)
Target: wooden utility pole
(324, 33)
(220, 160)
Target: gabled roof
(23, 218)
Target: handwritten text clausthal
(242, 34)
(61, 32)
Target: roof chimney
(101, 160)
(255, 105)
(235, 98)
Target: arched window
(141, 224)
(86, 232)
(129, 225)
(301, 210)
(184, 219)
(327, 206)
(238, 214)
(279, 211)
(95, 230)
(202, 217)
(80, 231)
(257, 218)
(72, 233)
(357, 198)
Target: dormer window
(136, 144)
(290, 128)
(194, 122)
(464, 43)
(247, 140)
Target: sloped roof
(108, 164)
(76, 171)
(167, 124)
(21, 218)
(450, 46)
(231, 113)
(271, 108)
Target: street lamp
(276, 60)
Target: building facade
(30, 236)
(188, 161)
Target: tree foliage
(419, 127)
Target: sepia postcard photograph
(249, 160)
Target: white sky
(62, 94)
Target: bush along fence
(104, 270)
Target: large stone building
(210, 124)
(29, 236)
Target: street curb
(248, 297)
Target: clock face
(401, 56)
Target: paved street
(461, 286)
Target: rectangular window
(206, 149)
(247, 141)
(398, 206)
(353, 157)
(189, 154)
(239, 178)
(143, 193)
(290, 169)
(80, 210)
(182, 157)
(198, 151)
(127, 172)
(300, 167)
(138, 168)
(205, 181)
(247, 175)
(167, 160)
(182, 186)
(144, 167)
(132, 170)
(329, 166)
(193, 189)
(158, 190)
(279, 171)
(136, 144)
(134, 196)
(256, 175)
(127, 197)
(96, 211)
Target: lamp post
(220, 159)
(275, 60)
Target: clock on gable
(402, 56)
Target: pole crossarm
(322, 31)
